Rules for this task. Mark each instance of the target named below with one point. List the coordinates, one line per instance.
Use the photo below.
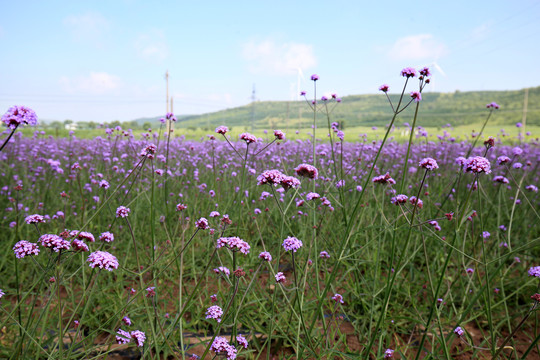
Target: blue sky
(106, 60)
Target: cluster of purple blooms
(233, 243)
(125, 337)
(475, 164)
(275, 177)
(122, 211)
(214, 312)
(429, 164)
(384, 179)
(248, 138)
(265, 255)
(222, 347)
(54, 242)
(292, 243)
(19, 115)
(103, 260)
(25, 248)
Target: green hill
(437, 109)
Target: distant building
(71, 127)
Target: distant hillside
(437, 109)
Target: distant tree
(68, 122)
(56, 125)
(146, 126)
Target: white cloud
(278, 59)
(418, 47)
(89, 27)
(152, 46)
(94, 83)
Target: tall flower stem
(9, 137)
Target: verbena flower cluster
(103, 260)
(19, 115)
(292, 243)
(234, 243)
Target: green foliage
(438, 109)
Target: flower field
(156, 247)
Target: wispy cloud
(418, 47)
(93, 83)
(152, 46)
(278, 59)
(90, 27)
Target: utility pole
(167, 123)
(167, 98)
(524, 117)
(253, 98)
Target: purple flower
(82, 235)
(222, 270)
(399, 199)
(314, 77)
(139, 337)
(307, 170)
(54, 242)
(222, 347)
(214, 312)
(103, 260)
(324, 255)
(485, 234)
(17, 115)
(312, 196)
(493, 105)
(150, 291)
(324, 98)
(384, 179)
(280, 135)
(2, 293)
(459, 331)
(429, 164)
(122, 211)
(408, 72)
(388, 354)
(126, 321)
(477, 165)
(280, 277)
(222, 130)
(425, 72)
(535, 271)
(470, 270)
(292, 243)
(417, 97)
(503, 159)
(338, 298)
(202, 224)
(265, 255)
(384, 88)
(106, 237)
(302, 93)
(234, 243)
(25, 248)
(242, 341)
(248, 138)
(123, 337)
(79, 245)
(34, 219)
